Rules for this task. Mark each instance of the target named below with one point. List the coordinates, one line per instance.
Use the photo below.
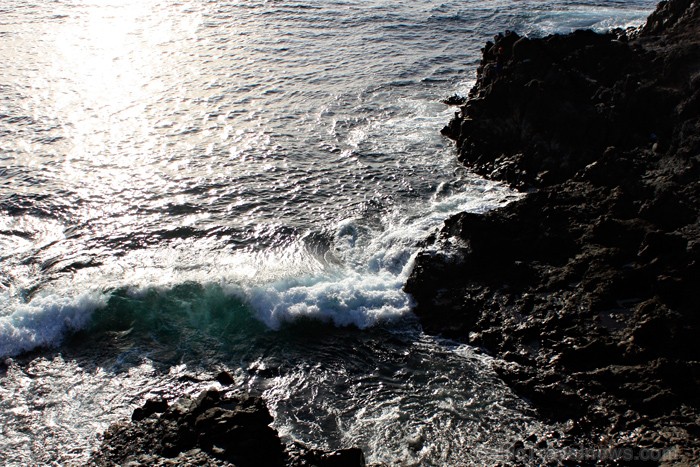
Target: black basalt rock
(212, 429)
(150, 407)
(302, 456)
(225, 379)
(587, 287)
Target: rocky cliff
(588, 288)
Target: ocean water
(191, 186)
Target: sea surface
(194, 186)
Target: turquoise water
(194, 186)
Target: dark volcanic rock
(152, 406)
(213, 429)
(301, 456)
(454, 99)
(225, 379)
(557, 103)
(587, 288)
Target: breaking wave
(348, 275)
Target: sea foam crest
(362, 284)
(44, 321)
(359, 284)
(348, 299)
(354, 279)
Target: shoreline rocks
(212, 429)
(587, 288)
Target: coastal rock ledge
(216, 428)
(587, 289)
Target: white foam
(44, 321)
(350, 299)
(355, 279)
(599, 19)
(359, 284)
(363, 285)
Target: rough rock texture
(588, 288)
(213, 429)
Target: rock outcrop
(213, 429)
(588, 288)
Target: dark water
(193, 186)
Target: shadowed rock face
(543, 109)
(213, 429)
(589, 287)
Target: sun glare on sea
(110, 68)
(111, 61)
(102, 74)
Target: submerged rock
(587, 288)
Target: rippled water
(195, 185)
